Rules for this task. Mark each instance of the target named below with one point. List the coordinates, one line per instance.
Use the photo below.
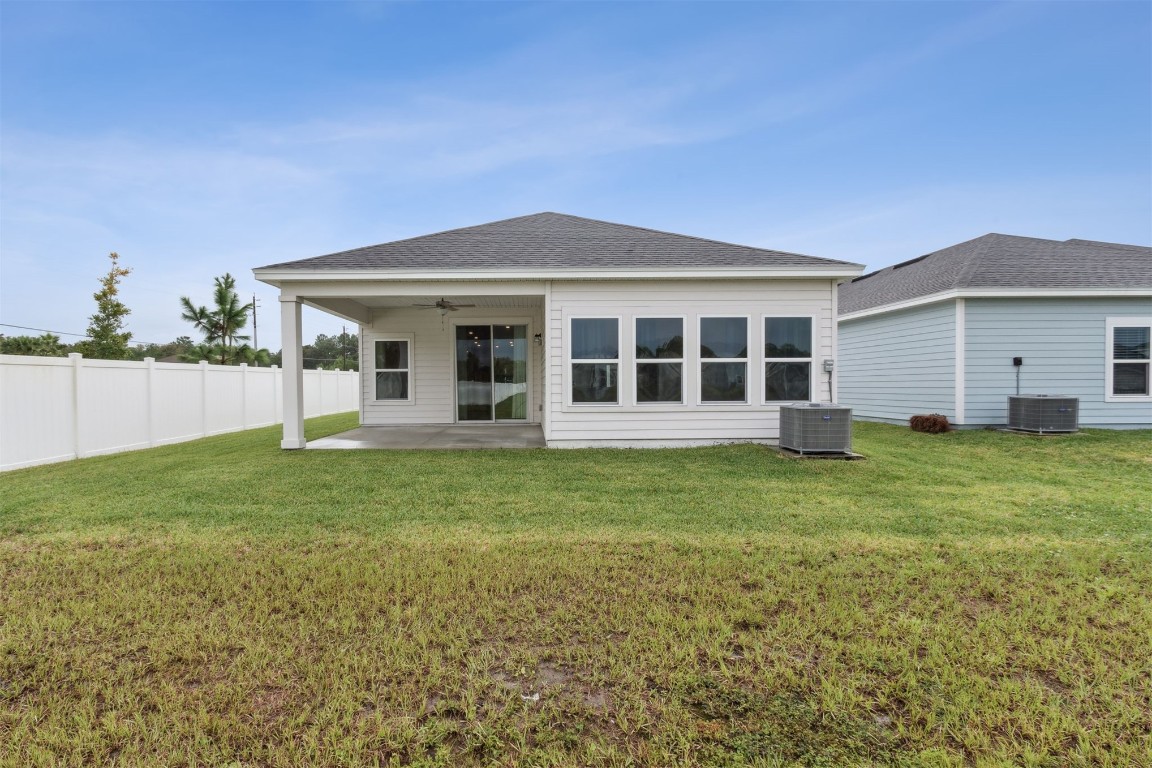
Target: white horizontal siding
(629, 423)
(433, 380)
(896, 365)
(1063, 343)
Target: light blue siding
(1063, 345)
(898, 364)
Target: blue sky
(196, 138)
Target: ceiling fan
(444, 306)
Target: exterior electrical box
(1043, 413)
(816, 428)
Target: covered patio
(433, 406)
(436, 437)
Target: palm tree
(257, 357)
(221, 324)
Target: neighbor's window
(595, 361)
(723, 359)
(393, 369)
(1129, 357)
(787, 358)
(659, 359)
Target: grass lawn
(974, 598)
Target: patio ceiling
(479, 301)
(362, 308)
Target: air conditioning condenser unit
(1043, 413)
(816, 428)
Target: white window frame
(638, 361)
(1111, 324)
(410, 370)
(619, 360)
(701, 360)
(764, 359)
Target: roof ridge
(593, 221)
(976, 261)
(692, 237)
(434, 234)
(1107, 244)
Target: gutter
(277, 276)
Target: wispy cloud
(882, 229)
(562, 113)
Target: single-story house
(601, 333)
(959, 330)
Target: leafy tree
(338, 352)
(107, 339)
(176, 348)
(220, 325)
(48, 345)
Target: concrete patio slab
(448, 437)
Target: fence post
(77, 362)
(243, 395)
(277, 406)
(150, 398)
(204, 398)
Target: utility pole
(255, 335)
(344, 348)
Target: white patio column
(293, 361)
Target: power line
(65, 333)
(44, 330)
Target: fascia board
(279, 276)
(998, 293)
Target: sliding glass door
(491, 372)
(474, 373)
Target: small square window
(393, 374)
(1129, 359)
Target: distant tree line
(220, 324)
(329, 353)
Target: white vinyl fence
(55, 409)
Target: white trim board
(997, 293)
(959, 392)
(278, 276)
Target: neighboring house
(939, 334)
(604, 334)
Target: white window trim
(764, 359)
(701, 360)
(410, 338)
(1111, 324)
(638, 361)
(619, 360)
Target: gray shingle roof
(554, 241)
(1003, 261)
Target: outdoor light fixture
(538, 339)
(443, 311)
